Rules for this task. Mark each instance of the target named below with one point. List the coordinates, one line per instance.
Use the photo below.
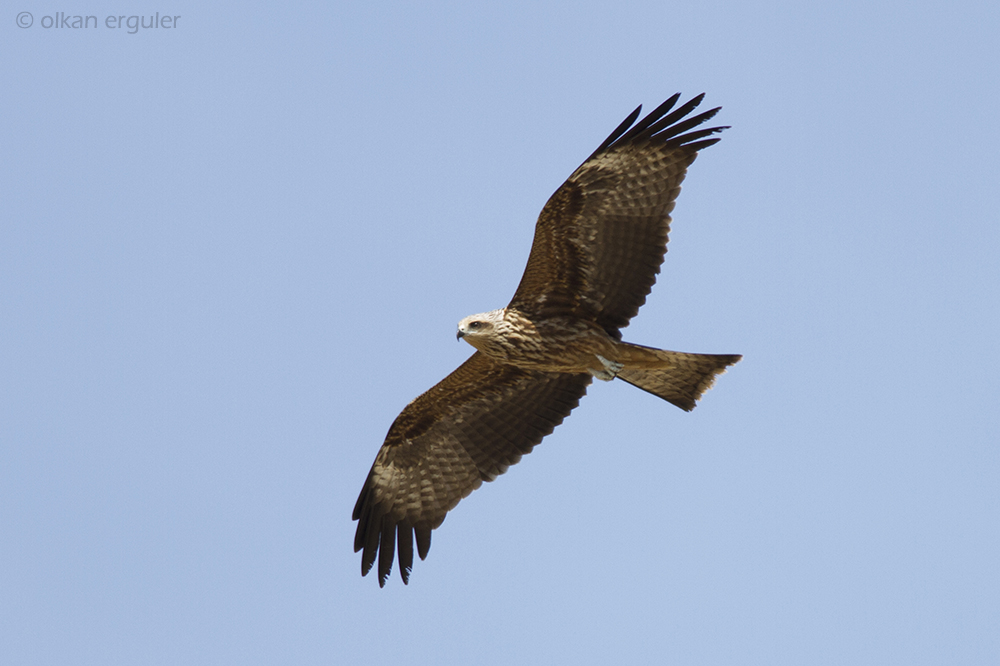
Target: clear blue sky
(233, 249)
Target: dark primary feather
(468, 429)
(601, 237)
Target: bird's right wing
(467, 429)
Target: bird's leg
(610, 369)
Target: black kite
(598, 246)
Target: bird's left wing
(601, 237)
(467, 429)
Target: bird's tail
(677, 377)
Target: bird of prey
(598, 246)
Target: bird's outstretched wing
(601, 237)
(468, 429)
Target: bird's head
(479, 327)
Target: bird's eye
(474, 324)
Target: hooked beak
(459, 334)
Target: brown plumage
(598, 246)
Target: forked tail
(677, 377)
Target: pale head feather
(479, 327)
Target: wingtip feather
(423, 535)
(404, 541)
(663, 125)
(387, 551)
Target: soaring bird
(599, 242)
